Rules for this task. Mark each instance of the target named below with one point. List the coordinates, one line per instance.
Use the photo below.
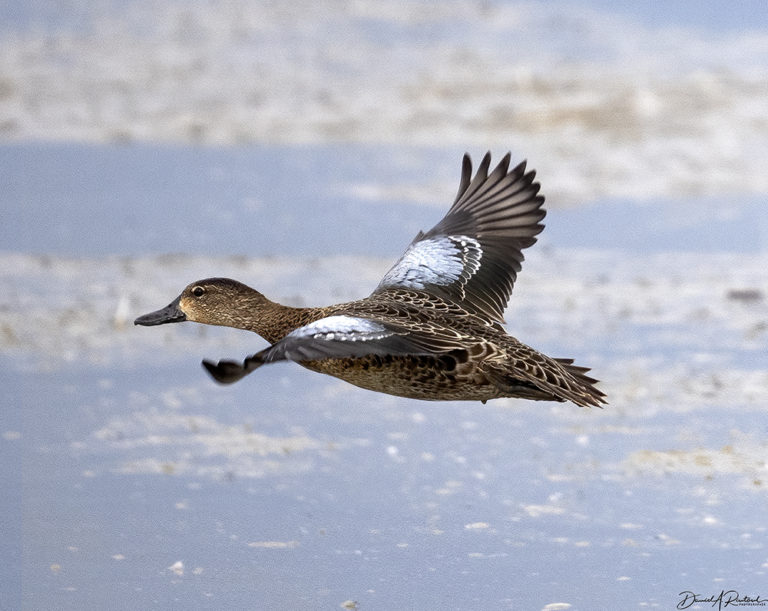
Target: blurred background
(299, 148)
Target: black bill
(170, 313)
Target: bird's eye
(198, 291)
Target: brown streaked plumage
(432, 329)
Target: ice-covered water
(298, 148)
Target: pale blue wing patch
(440, 261)
(341, 336)
(343, 329)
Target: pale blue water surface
(126, 465)
(131, 481)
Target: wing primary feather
(499, 214)
(478, 180)
(466, 175)
(496, 177)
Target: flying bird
(432, 328)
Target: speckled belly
(438, 378)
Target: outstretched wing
(473, 255)
(338, 336)
(343, 336)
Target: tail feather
(560, 381)
(592, 395)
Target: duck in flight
(432, 328)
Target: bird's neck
(252, 311)
(277, 320)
